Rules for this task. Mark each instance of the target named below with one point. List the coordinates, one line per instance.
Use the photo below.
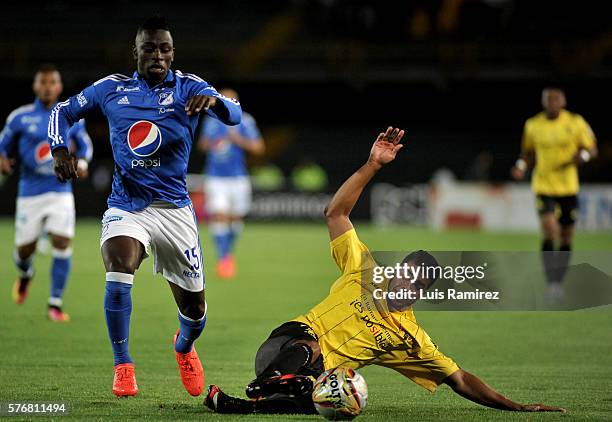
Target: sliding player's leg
(286, 362)
(219, 402)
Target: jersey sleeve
(428, 368)
(527, 141)
(69, 112)
(9, 134)
(586, 137)
(349, 252)
(227, 110)
(78, 132)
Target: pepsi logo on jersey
(144, 139)
(42, 152)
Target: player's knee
(194, 310)
(26, 251)
(314, 348)
(60, 242)
(121, 264)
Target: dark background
(322, 78)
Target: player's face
(553, 101)
(47, 86)
(154, 54)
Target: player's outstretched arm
(383, 152)
(473, 388)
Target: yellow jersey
(355, 330)
(555, 142)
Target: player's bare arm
(383, 151)
(473, 388)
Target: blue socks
(235, 230)
(60, 268)
(223, 238)
(117, 309)
(189, 331)
(225, 235)
(26, 270)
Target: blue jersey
(150, 133)
(25, 134)
(224, 158)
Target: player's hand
(64, 165)
(199, 103)
(517, 173)
(541, 408)
(386, 146)
(6, 165)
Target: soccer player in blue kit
(152, 118)
(43, 203)
(227, 184)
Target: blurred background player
(44, 205)
(557, 141)
(152, 117)
(227, 184)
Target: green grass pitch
(559, 358)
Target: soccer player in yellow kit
(558, 141)
(349, 328)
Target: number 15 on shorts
(193, 257)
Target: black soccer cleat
(289, 384)
(219, 402)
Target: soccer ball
(340, 394)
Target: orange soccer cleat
(124, 384)
(56, 314)
(226, 267)
(190, 368)
(20, 289)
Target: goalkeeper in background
(556, 142)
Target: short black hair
(153, 23)
(427, 260)
(46, 68)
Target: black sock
(548, 259)
(562, 260)
(289, 361)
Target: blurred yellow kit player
(557, 141)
